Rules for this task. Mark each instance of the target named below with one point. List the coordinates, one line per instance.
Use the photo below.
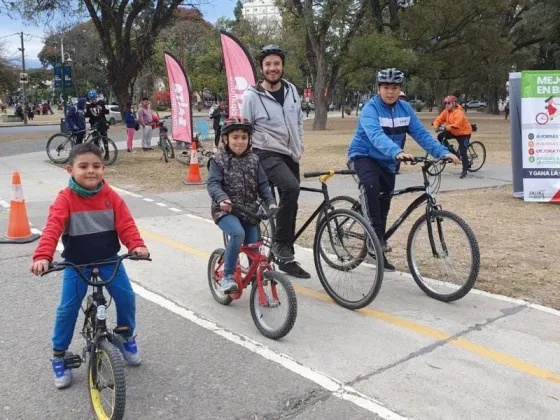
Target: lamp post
(64, 61)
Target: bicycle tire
(67, 139)
(354, 205)
(215, 258)
(472, 152)
(169, 148)
(115, 361)
(474, 249)
(111, 149)
(291, 302)
(370, 241)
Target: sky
(212, 10)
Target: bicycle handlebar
(59, 266)
(423, 159)
(259, 216)
(331, 172)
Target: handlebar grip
(135, 258)
(314, 174)
(345, 172)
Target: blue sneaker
(62, 376)
(128, 349)
(229, 285)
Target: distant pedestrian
(507, 110)
(145, 121)
(130, 120)
(220, 114)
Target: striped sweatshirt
(90, 227)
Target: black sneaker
(387, 265)
(463, 175)
(293, 268)
(282, 252)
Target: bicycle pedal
(72, 361)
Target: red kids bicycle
(273, 300)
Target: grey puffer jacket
(240, 179)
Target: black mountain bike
(476, 152)
(442, 251)
(106, 378)
(60, 145)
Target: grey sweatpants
(146, 137)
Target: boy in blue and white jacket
(375, 149)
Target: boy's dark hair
(145, 99)
(128, 105)
(82, 149)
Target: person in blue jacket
(76, 120)
(375, 149)
(130, 120)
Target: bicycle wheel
(59, 147)
(184, 157)
(169, 150)
(341, 202)
(437, 168)
(108, 149)
(277, 317)
(451, 273)
(342, 242)
(215, 277)
(477, 155)
(107, 382)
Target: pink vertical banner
(240, 71)
(180, 95)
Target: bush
(419, 106)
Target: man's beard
(274, 83)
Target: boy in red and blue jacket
(91, 218)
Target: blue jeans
(239, 233)
(74, 290)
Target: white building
(263, 12)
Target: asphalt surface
(406, 356)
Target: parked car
(114, 114)
(476, 104)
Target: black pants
(374, 180)
(80, 137)
(217, 134)
(463, 145)
(283, 173)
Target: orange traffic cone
(19, 231)
(193, 175)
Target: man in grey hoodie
(274, 108)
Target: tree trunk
(321, 82)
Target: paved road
(406, 356)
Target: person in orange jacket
(456, 126)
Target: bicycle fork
(265, 300)
(429, 217)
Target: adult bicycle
(273, 302)
(343, 240)
(203, 155)
(442, 251)
(60, 145)
(106, 377)
(476, 152)
(164, 143)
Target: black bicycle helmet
(271, 49)
(391, 76)
(236, 123)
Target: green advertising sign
(540, 84)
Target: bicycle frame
(259, 262)
(427, 197)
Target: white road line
(337, 388)
(4, 204)
(149, 200)
(538, 307)
(36, 231)
(126, 192)
(161, 204)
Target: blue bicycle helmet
(92, 94)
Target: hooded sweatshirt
(76, 119)
(276, 128)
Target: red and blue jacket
(90, 227)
